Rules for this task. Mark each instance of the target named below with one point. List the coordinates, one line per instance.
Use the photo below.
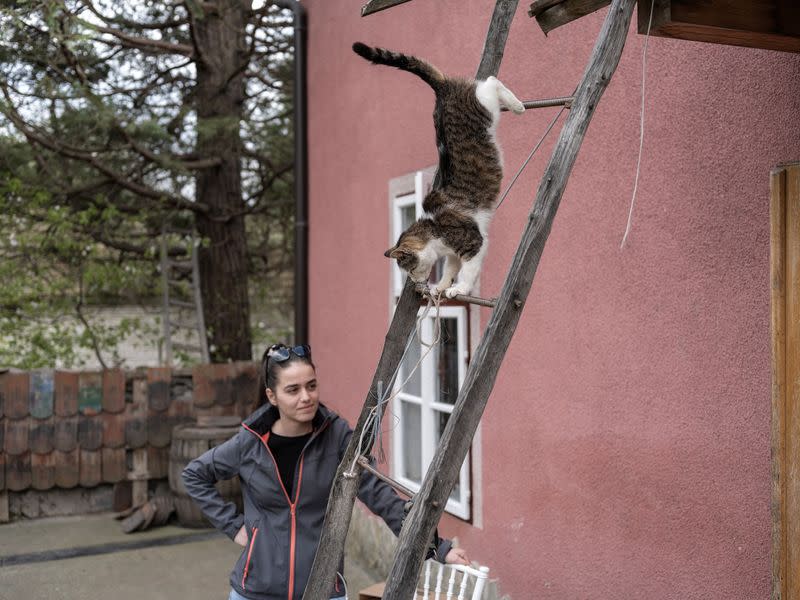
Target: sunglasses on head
(280, 354)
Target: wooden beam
(768, 24)
(345, 486)
(551, 15)
(495, 44)
(785, 333)
(539, 6)
(374, 6)
(472, 398)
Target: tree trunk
(220, 92)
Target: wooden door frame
(785, 333)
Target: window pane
(412, 442)
(446, 360)
(414, 385)
(408, 214)
(441, 422)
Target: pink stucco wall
(626, 445)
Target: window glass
(408, 214)
(412, 441)
(446, 360)
(414, 384)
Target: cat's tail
(380, 56)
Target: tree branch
(134, 24)
(90, 158)
(140, 43)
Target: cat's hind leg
(508, 99)
(469, 273)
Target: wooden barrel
(189, 442)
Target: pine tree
(123, 117)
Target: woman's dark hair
(268, 373)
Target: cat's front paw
(518, 108)
(435, 290)
(456, 290)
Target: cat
(457, 212)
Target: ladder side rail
(344, 490)
(457, 437)
(345, 486)
(166, 328)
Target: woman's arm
(199, 477)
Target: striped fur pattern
(457, 214)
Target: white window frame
(416, 187)
(404, 192)
(459, 506)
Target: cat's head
(413, 254)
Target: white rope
(373, 418)
(641, 127)
(530, 156)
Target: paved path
(195, 569)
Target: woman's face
(296, 394)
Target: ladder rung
(560, 101)
(177, 281)
(386, 479)
(182, 325)
(488, 302)
(189, 347)
(182, 303)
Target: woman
(286, 455)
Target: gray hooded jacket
(283, 533)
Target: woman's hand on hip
(241, 537)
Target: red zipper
(249, 554)
(292, 505)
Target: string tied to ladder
(372, 433)
(530, 156)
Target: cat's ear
(396, 253)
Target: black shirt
(286, 451)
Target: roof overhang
(768, 24)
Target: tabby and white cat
(457, 213)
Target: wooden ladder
(182, 301)
(442, 474)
